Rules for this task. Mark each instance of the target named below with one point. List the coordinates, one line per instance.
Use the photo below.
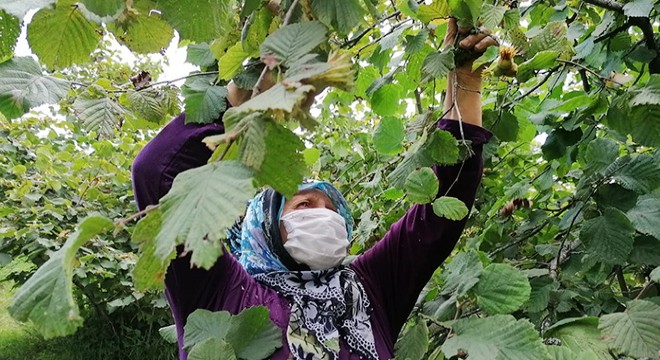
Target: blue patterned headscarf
(255, 241)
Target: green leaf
(502, 289)
(151, 105)
(438, 64)
(466, 11)
(278, 99)
(105, 8)
(442, 147)
(639, 174)
(609, 237)
(646, 215)
(579, 335)
(204, 102)
(19, 8)
(283, 151)
(97, 111)
(23, 86)
(389, 135)
(414, 343)
(646, 251)
(202, 204)
(144, 32)
(649, 94)
(200, 55)
(491, 16)
(415, 43)
(655, 275)
(292, 42)
(634, 332)
(463, 273)
(638, 8)
(614, 195)
(200, 20)
(253, 335)
(168, 333)
(490, 55)
(342, 15)
(47, 297)
(10, 28)
(541, 60)
(231, 63)
(550, 38)
(600, 154)
(62, 36)
(436, 10)
(385, 101)
(450, 208)
(149, 271)
(503, 124)
(212, 349)
(496, 337)
(422, 186)
(203, 324)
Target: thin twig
(541, 82)
(393, 29)
(123, 221)
(622, 281)
(645, 289)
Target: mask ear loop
(275, 202)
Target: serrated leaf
(150, 105)
(634, 332)
(415, 43)
(149, 271)
(19, 8)
(385, 101)
(491, 54)
(463, 273)
(579, 335)
(200, 55)
(10, 29)
(253, 335)
(203, 324)
(422, 186)
(279, 99)
(62, 36)
(450, 208)
(283, 149)
(541, 60)
(466, 11)
(212, 349)
(442, 147)
(97, 111)
(23, 86)
(639, 173)
(496, 337)
(638, 8)
(502, 289)
(438, 64)
(145, 32)
(204, 102)
(641, 122)
(202, 204)
(46, 298)
(646, 251)
(414, 343)
(646, 215)
(199, 20)
(232, 62)
(389, 135)
(550, 38)
(609, 237)
(292, 42)
(342, 15)
(436, 10)
(502, 123)
(252, 148)
(600, 154)
(649, 94)
(168, 333)
(655, 275)
(491, 15)
(104, 8)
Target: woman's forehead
(312, 193)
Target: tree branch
(622, 281)
(607, 4)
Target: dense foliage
(560, 257)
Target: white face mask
(316, 237)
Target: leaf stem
(123, 221)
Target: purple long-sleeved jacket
(393, 272)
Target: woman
(325, 311)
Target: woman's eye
(303, 204)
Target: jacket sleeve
(396, 269)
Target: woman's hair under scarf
(255, 239)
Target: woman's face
(306, 199)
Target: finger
(485, 43)
(452, 31)
(470, 41)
